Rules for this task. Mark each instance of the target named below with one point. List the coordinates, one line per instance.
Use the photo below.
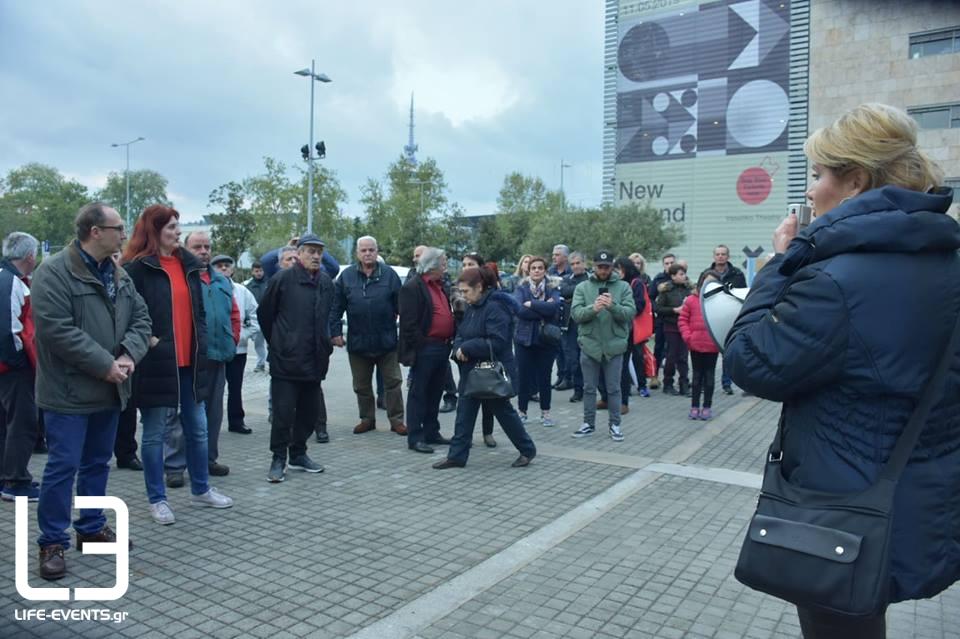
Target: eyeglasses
(118, 228)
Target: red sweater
(693, 328)
(182, 308)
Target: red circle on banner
(754, 185)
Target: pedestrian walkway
(594, 539)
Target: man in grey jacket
(92, 328)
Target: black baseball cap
(603, 257)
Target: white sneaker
(212, 498)
(585, 430)
(161, 513)
(615, 433)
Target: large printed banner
(702, 114)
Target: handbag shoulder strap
(918, 419)
(490, 346)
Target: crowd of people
(154, 325)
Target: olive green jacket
(80, 332)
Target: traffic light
(305, 152)
(321, 149)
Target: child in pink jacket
(703, 352)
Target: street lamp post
(319, 77)
(563, 196)
(127, 172)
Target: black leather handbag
(825, 551)
(488, 380)
(549, 334)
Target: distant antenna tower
(410, 149)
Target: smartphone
(804, 214)
(603, 290)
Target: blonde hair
(643, 262)
(520, 265)
(879, 139)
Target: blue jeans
(467, 419)
(725, 380)
(80, 446)
(571, 351)
(156, 421)
(534, 364)
(426, 388)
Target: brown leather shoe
(624, 409)
(106, 535)
(364, 427)
(521, 461)
(399, 428)
(601, 405)
(52, 564)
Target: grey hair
(368, 238)
(287, 249)
(430, 259)
(577, 255)
(18, 246)
(563, 248)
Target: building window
(944, 116)
(935, 42)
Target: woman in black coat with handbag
(484, 332)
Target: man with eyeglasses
(92, 329)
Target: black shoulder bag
(488, 380)
(825, 551)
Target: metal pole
(563, 196)
(128, 188)
(310, 156)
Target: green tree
(622, 229)
(37, 199)
(235, 228)
(521, 203)
(146, 188)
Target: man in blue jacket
(368, 291)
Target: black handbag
(826, 551)
(549, 334)
(488, 380)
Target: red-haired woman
(173, 374)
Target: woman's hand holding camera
(785, 233)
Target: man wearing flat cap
(249, 329)
(294, 316)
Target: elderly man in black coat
(294, 316)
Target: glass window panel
(932, 118)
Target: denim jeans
(156, 424)
(571, 351)
(466, 421)
(591, 375)
(725, 380)
(534, 364)
(80, 447)
(426, 387)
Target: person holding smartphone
(603, 309)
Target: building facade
(707, 104)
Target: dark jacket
(567, 285)
(653, 289)
(17, 345)
(732, 276)
(372, 305)
(545, 310)
(156, 381)
(487, 324)
(295, 320)
(416, 315)
(80, 332)
(257, 287)
(845, 329)
(670, 296)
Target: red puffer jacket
(693, 328)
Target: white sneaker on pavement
(212, 499)
(161, 513)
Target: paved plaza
(593, 539)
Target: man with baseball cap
(294, 316)
(603, 309)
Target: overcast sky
(500, 85)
